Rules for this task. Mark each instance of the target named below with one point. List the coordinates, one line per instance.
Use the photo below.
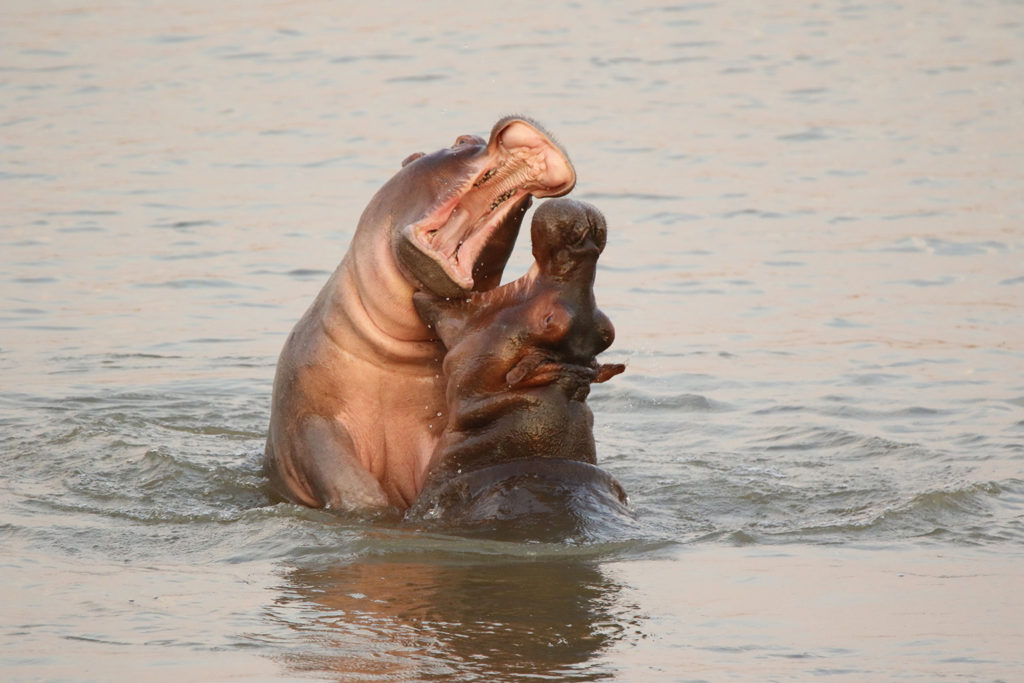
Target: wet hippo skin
(358, 400)
(520, 361)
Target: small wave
(398, 542)
(194, 283)
(966, 514)
(629, 400)
(938, 246)
(828, 438)
(307, 273)
(417, 78)
(947, 512)
(161, 488)
(808, 135)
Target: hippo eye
(464, 140)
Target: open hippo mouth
(518, 162)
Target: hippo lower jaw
(521, 162)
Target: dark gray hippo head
(520, 361)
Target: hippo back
(546, 499)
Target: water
(815, 268)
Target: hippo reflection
(519, 444)
(445, 616)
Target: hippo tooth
(502, 198)
(485, 177)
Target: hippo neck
(370, 295)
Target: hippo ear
(446, 317)
(411, 158)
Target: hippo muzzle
(481, 190)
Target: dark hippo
(520, 362)
(358, 402)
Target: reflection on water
(425, 619)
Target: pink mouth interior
(521, 161)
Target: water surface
(815, 268)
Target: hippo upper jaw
(447, 249)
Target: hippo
(358, 400)
(519, 364)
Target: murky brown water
(815, 269)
